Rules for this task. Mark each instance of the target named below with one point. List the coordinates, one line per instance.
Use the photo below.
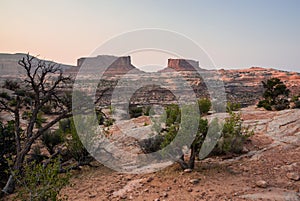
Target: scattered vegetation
(233, 134)
(137, 111)
(38, 182)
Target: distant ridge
(9, 64)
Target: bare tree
(44, 85)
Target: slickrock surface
(273, 159)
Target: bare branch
(4, 106)
(64, 115)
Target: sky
(234, 33)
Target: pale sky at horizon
(236, 34)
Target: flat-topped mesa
(116, 65)
(183, 64)
(120, 65)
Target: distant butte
(182, 65)
(116, 65)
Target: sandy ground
(215, 178)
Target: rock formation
(182, 65)
(242, 85)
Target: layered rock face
(245, 85)
(104, 65)
(182, 65)
(121, 66)
(242, 85)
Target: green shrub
(295, 98)
(297, 104)
(36, 155)
(65, 126)
(152, 144)
(173, 115)
(204, 105)
(265, 104)
(47, 109)
(5, 96)
(108, 122)
(51, 139)
(12, 103)
(281, 105)
(189, 123)
(233, 135)
(40, 120)
(135, 112)
(75, 147)
(11, 85)
(100, 117)
(170, 136)
(233, 107)
(275, 95)
(7, 150)
(147, 110)
(20, 92)
(26, 115)
(39, 183)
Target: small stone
(188, 170)
(245, 150)
(290, 167)
(261, 184)
(189, 190)
(194, 181)
(92, 196)
(165, 194)
(157, 199)
(109, 191)
(146, 190)
(293, 176)
(123, 196)
(150, 179)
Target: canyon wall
(241, 85)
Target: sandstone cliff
(242, 85)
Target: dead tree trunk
(45, 82)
